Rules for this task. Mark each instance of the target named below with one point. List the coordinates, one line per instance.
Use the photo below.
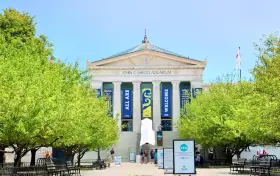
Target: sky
(213, 29)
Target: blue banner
(166, 102)
(147, 103)
(196, 91)
(109, 97)
(185, 97)
(127, 103)
(98, 93)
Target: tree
(218, 117)
(267, 82)
(42, 103)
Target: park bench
(238, 166)
(72, 170)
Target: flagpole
(240, 66)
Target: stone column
(136, 107)
(175, 103)
(156, 105)
(117, 102)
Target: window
(166, 125)
(127, 125)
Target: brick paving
(135, 169)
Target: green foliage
(45, 103)
(234, 115)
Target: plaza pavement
(136, 169)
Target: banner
(184, 157)
(127, 104)
(196, 91)
(159, 138)
(147, 102)
(98, 93)
(166, 102)
(109, 97)
(185, 97)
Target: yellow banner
(147, 102)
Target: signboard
(127, 104)
(184, 157)
(147, 72)
(147, 103)
(159, 138)
(167, 158)
(132, 157)
(109, 98)
(195, 91)
(166, 102)
(118, 160)
(160, 159)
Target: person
(112, 152)
(152, 155)
(142, 156)
(197, 159)
(146, 156)
(155, 156)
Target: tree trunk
(18, 158)
(33, 157)
(2, 153)
(98, 154)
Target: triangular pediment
(147, 58)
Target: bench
(55, 170)
(72, 170)
(238, 166)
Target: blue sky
(212, 29)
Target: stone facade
(146, 63)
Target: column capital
(175, 82)
(156, 82)
(117, 83)
(136, 82)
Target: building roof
(145, 45)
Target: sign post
(118, 160)
(184, 157)
(168, 160)
(160, 159)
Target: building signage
(159, 138)
(185, 98)
(109, 98)
(166, 102)
(196, 91)
(146, 72)
(147, 103)
(127, 103)
(160, 159)
(167, 158)
(184, 157)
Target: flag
(238, 60)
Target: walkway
(133, 169)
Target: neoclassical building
(146, 81)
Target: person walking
(155, 156)
(112, 152)
(152, 155)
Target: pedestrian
(152, 155)
(197, 159)
(112, 152)
(155, 156)
(142, 156)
